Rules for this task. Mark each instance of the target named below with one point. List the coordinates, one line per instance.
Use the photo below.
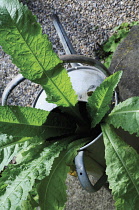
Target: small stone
(94, 5)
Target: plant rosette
(85, 79)
(45, 143)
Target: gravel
(86, 23)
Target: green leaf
(124, 25)
(122, 169)
(116, 28)
(6, 154)
(126, 115)
(28, 122)
(52, 190)
(98, 103)
(17, 180)
(108, 61)
(10, 147)
(24, 115)
(107, 45)
(123, 33)
(113, 46)
(21, 37)
(134, 23)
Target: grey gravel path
(86, 23)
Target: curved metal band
(11, 85)
(84, 59)
(66, 59)
(90, 143)
(83, 177)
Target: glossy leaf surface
(122, 170)
(17, 180)
(52, 190)
(21, 37)
(11, 146)
(28, 122)
(126, 115)
(99, 103)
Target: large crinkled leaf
(126, 115)
(17, 180)
(6, 154)
(99, 103)
(122, 169)
(52, 189)
(10, 146)
(28, 122)
(24, 115)
(21, 37)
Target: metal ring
(90, 143)
(83, 177)
(11, 85)
(73, 58)
(66, 58)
